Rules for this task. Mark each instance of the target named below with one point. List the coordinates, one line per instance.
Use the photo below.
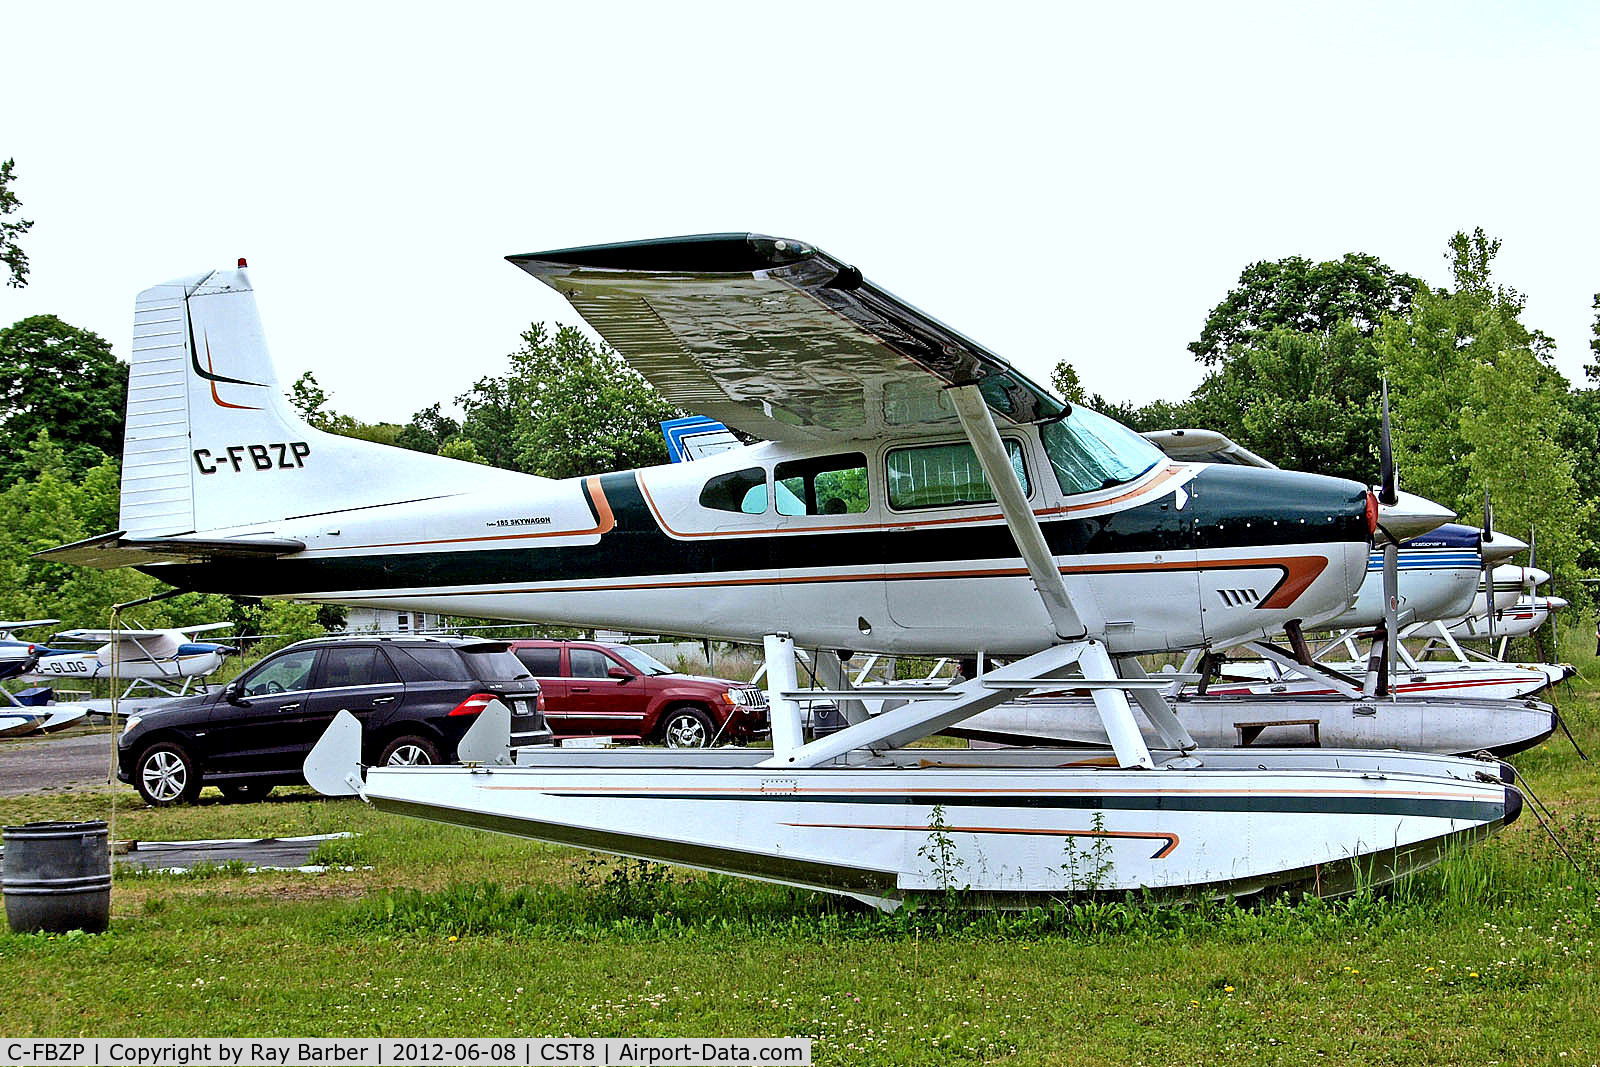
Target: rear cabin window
(587, 663)
(435, 664)
(541, 662)
(742, 491)
(829, 485)
(494, 664)
(342, 667)
(943, 476)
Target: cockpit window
(1090, 451)
(742, 491)
(942, 476)
(828, 485)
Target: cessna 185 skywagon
(915, 493)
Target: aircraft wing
(778, 339)
(112, 550)
(26, 624)
(1205, 446)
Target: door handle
(579, 689)
(288, 707)
(382, 700)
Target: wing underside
(777, 339)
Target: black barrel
(57, 877)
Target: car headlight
(133, 720)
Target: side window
(941, 476)
(541, 662)
(287, 674)
(830, 485)
(588, 663)
(343, 667)
(742, 491)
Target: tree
(1305, 401)
(567, 407)
(1591, 369)
(11, 253)
(1297, 294)
(1478, 405)
(428, 431)
(490, 421)
(58, 378)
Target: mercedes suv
(415, 697)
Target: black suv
(415, 697)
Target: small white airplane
(915, 494)
(154, 659)
(1530, 612)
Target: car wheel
(687, 727)
(409, 751)
(166, 774)
(245, 792)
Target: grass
(1488, 958)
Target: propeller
(1488, 570)
(1389, 496)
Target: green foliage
(1478, 406)
(59, 379)
(1304, 297)
(311, 401)
(428, 431)
(49, 506)
(567, 407)
(11, 253)
(1305, 401)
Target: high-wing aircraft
(159, 659)
(913, 493)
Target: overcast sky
(1054, 180)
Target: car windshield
(643, 662)
(1090, 451)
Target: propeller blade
(1488, 517)
(1488, 603)
(1386, 480)
(1391, 607)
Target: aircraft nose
(1411, 516)
(1502, 547)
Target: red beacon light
(242, 263)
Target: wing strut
(1024, 525)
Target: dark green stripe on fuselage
(1229, 507)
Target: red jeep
(595, 688)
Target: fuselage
(861, 546)
(1437, 577)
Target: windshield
(643, 662)
(1090, 451)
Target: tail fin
(211, 444)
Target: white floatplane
(167, 661)
(934, 501)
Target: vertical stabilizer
(212, 444)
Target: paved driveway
(37, 765)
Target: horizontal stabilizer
(113, 550)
